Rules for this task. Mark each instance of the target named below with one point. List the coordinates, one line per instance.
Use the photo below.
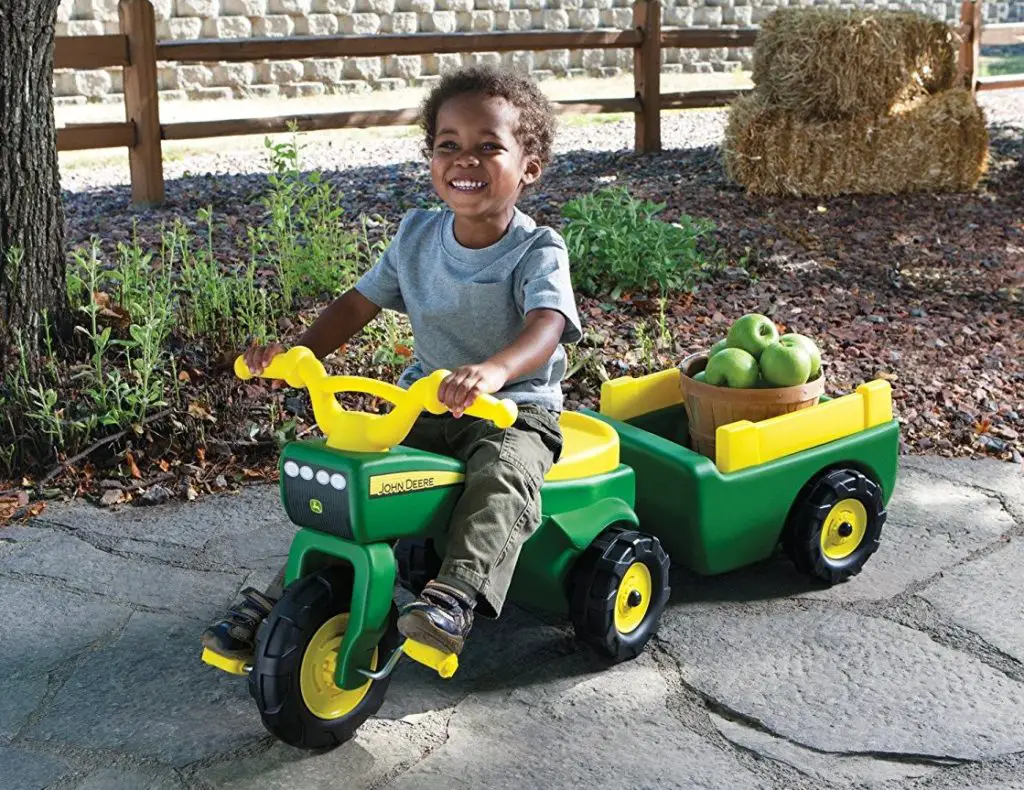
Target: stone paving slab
(170, 554)
(182, 523)
(44, 626)
(984, 596)
(611, 730)
(260, 549)
(18, 701)
(21, 769)
(757, 680)
(841, 682)
(149, 695)
(123, 779)
(1005, 480)
(377, 751)
(835, 770)
(513, 642)
(84, 568)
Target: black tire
(594, 590)
(802, 540)
(284, 636)
(418, 563)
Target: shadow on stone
(773, 579)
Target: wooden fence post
(970, 47)
(647, 75)
(142, 102)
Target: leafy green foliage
(138, 303)
(617, 243)
(305, 236)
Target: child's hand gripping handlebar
(359, 431)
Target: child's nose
(467, 159)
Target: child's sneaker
(441, 617)
(235, 635)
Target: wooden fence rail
(137, 51)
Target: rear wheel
(618, 590)
(292, 679)
(418, 563)
(835, 526)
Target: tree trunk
(32, 259)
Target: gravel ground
(364, 149)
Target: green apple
(700, 377)
(785, 365)
(807, 345)
(732, 367)
(753, 333)
(721, 344)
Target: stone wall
(191, 19)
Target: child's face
(477, 166)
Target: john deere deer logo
(316, 506)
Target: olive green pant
(500, 503)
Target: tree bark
(32, 259)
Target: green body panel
(712, 523)
(346, 523)
(574, 512)
(373, 582)
(352, 513)
(541, 580)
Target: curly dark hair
(536, 128)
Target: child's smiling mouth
(466, 185)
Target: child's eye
(447, 145)
(490, 147)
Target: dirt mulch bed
(925, 290)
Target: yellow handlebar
(359, 431)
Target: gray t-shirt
(466, 305)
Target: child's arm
(534, 346)
(338, 323)
(334, 327)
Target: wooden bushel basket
(708, 407)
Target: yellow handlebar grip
(503, 413)
(241, 369)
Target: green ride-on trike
(626, 494)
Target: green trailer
(627, 495)
(769, 483)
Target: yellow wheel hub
(316, 677)
(844, 529)
(633, 599)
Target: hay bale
(832, 64)
(938, 143)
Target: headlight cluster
(323, 477)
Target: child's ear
(532, 170)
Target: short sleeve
(544, 283)
(380, 284)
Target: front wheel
(292, 679)
(835, 526)
(619, 588)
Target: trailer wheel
(418, 563)
(835, 526)
(618, 590)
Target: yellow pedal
(440, 661)
(236, 666)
